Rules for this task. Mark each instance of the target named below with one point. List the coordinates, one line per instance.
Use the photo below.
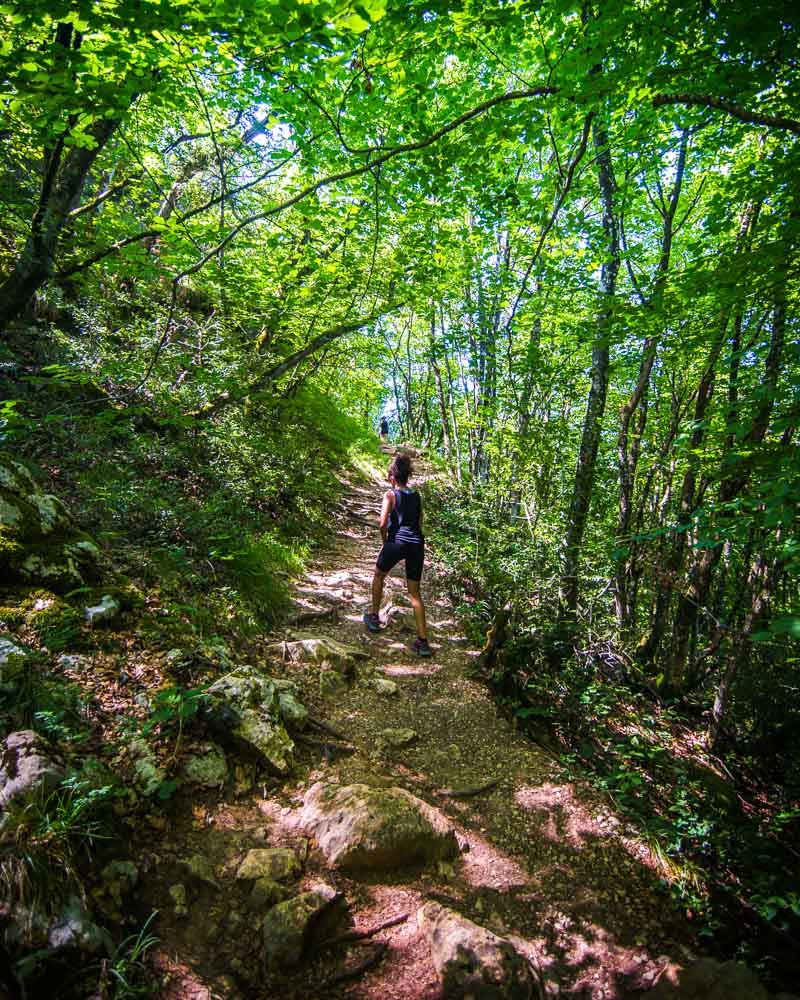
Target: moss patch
(54, 623)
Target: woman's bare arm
(386, 509)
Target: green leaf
(354, 22)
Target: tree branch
(407, 147)
(96, 202)
(274, 373)
(708, 101)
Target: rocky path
(539, 862)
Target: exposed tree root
(326, 727)
(362, 935)
(357, 970)
(465, 793)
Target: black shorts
(392, 552)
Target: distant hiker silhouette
(384, 429)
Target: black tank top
(404, 519)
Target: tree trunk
(691, 602)
(596, 403)
(63, 180)
(628, 454)
(437, 374)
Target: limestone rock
(148, 774)
(25, 769)
(328, 653)
(289, 927)
(74, 930)
(74, 662)
(208, 769)
(707, 979)
(245, 707)
(277, 863)
(104, 611)
(13, 658)
(267, 893)
(358, 827)
(178, 895)
(39, 542)
(118, 879)
(384, 686)
(471, 961)
(200, 868)
(331, 683)
(293, 712)
(398, 738)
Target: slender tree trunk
(691, 602)
(762, 582)
(62, 185)
(437, 374)
(451, 404)
(648, 648)
(628, 454)
(596, 403)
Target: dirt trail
(546, 865)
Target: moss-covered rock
(208, 769)
(14, 661)
(53, 622)
(245, 708)
(39, 541)
(380, 829)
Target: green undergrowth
(203, 526)
(724, 831)
(484, 559)
(211, 519)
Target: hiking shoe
(421, 647)
(372, 621)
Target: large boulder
(358, 827)
(39, 541)
(707, 979)
(289, 928)
(245, 707)
(25, 769)
(471, 961)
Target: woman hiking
(401, 532)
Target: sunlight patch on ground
(562, 815)
(409, 669)
(178, 981)
(484, 865)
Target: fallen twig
(326, 727)
(465, 793)
(357, 970)
(306, 617)
(325, 745)
(361, 935)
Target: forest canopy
(555, 242)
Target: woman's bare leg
(418, 606)
(377, 591)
